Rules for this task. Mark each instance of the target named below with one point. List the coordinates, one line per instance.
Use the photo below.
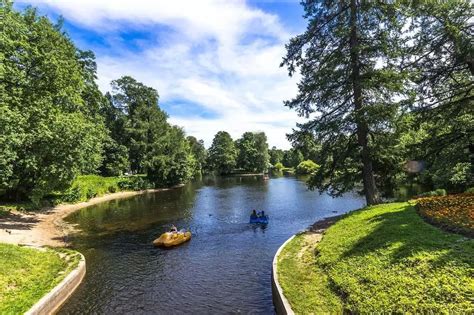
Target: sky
(215, 64)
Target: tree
(276, 155)
(347, 58)
(292, 158)
(170, 161)
(199, 152)
(145, 122)
(440, 55)
(305, 142)
(253, 152)
(222, 153)
(307, 167)
(49, 132)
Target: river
(225, 268)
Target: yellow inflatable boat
(169, 239)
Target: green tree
(307, 167)
(145, 122)
(442, 60)
(199, 152)
(222, 153)
(348, 59)
(170, 160)
(49, 131)
(276, 155)
(292, 157)
(253, 152)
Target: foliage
(437, 192)
(27, 274)
(170, 161)
(145, 123)
(116, 161)
(307, 167)
(199, 152)
(292, 158)
(279, 166)
(470, 190)
(252, 152)
(383, 259)
(453, 212)
(348, 52)
(275, 156)
(49, 128)
(86, 187)
(222, 153)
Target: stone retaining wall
(279, 301)
(52, 302)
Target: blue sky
(215, 64)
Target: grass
(27, 274)
(384, 258)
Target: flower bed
(454, 213)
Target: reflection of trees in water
(137, 212)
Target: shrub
(433, 193)
(279, 166)
(470, 190)
(454, 213)
(307, 167)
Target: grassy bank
(384, 258)
(27, 274)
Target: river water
(224, 269)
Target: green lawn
(382, 258)
(27, 274)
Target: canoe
(259, 220)
(170, 239)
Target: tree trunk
(370, 189)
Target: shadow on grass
(402, 234)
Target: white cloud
(222, 55)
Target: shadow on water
(224, 268)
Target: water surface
(225, 268)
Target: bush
(433, 193)
(470, 190)
(279, 166)
(134, 183)
(307, 167)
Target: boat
(170, 239)
(259, 220)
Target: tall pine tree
(349, 83)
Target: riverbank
(382, 258)
(46, 227)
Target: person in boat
(262, 214)
(173, 229)
(254, 214)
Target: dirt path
(47, 227)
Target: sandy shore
(47, 227)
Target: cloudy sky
(215, 64)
